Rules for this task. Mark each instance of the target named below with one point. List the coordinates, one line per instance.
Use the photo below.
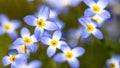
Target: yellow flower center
(41, 23)
(27, 40)
(54, 43)
(113, 65)
(23, 49)
(7, 27)
(97, 19)
(12, 58)
(69, 55)
(90, 28)
(96, 8)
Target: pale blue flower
(8, 27)
(26, 39)
(40, 22)
(53, 43)
(14, 58)
(89, 27)
(70, 56)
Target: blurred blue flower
(8, 27)
(63, 4)
(70, 56)
(27, 40)
(14, 58)
(41, 22)
(113, 62)
(53, 43)
(32, 64)
(89, 27)
(97, 8)
(21, 49)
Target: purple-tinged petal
(105, 14)
(65, 48)
(38, 33)
(24, 32)
(103, 3)
(34, 38)
(2, 31)
(6, 61)
(51, 26)
(16, 23)
(34, 64)
(18, 41)
(84, 33)
(13, 34)
(3, 18)
(44, 12)
(60, 58)
(32, 47)
(51, 51)
(89, 2)
(78, 51)
(88, 12)
(45, 40)
(74, 63)
(83, 21)
(98, 34)
(75, 2)
(30, 20)
(62, 44)
(57, 35)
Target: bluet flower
(70, 55)
(8, 27)
(28, 40)
(113, 62)
(89, 27)
(53, 43)
(14, 58)
(40, 22)
(96, 8)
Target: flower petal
(2, 31)
(57, 35)
(62, 44)
(105, 14)
(13, 34)
(34, 38)
(78, 51)
(89, 2)
(38, 33)
(34, 64)
(51, 51)
(98, 34)
(65, 48)
(83, 21)
(18, 41)
(5, 61)
(59, 57)
(16, 23)
(84, 33)
(103, 3)
(51, 26)
(45, 40)
(74, 63)
(25, 32)
(44, 12)
(32, 47)
(88, 13)
(3, 18)
(75, 2)
(30, 20)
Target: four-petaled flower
(89, 27)
(41, 22)
(53, 42)
(27, 40)
(97, 8)
(8, 26)
(70, 56)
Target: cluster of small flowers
(48, 32)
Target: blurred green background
(96, 52)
